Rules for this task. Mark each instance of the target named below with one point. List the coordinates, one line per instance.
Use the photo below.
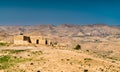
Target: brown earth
(45, 59)
(100, 49)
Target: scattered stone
(15, 57)
(28, 55)
(38, 71)
(62, 59)
(44, 62)
(71, 63)
(31, 63)
(67, 59)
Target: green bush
(78, 47)
(4, 62)
(4, 58)
(3, 44)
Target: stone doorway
(37, 41)
(46, 42)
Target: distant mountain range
(63, 30)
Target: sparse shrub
(78, 47)
(87, 50)
(101, 69)
(89, 65)
(44, 62)
(31, 63)
(3, 44)
(17, 51)
(15, 57)
(38, 71)
(4, 58)
(67, 59)
(7, 61)
(55, 43)
(113, 58)
(20, 56)
(85, 70)
(110, 51)
(13, 51)
(71, 63)
(28, 55)
(113, 61)
(87, 59)
(62, 59)
(37, 52)
(4, 61)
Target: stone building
(26, 40)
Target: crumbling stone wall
(19, 40)
(25, 40)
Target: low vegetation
(3, 44)
(7, 61)
(85, 70)
(9, 57)
(37, 52)
(78, 47)
(87, 59)
(12, 51)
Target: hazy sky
(27, 12)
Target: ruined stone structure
(25, 40)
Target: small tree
(78, 47)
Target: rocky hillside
(63, 30)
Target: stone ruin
(29, 39)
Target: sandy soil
(56, 60)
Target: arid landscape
(72, 48)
